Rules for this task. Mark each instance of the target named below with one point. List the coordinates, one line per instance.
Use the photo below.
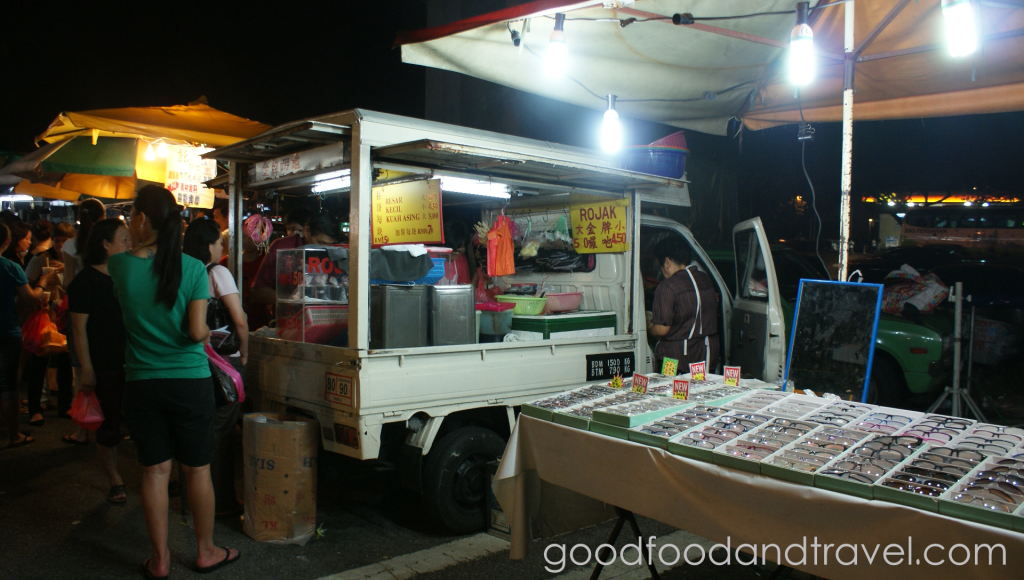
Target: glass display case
(312, 297)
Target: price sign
(599, 228)
(669, 367)
(680, 389)
(640, 383)
(732, 376)
(616, 382)
(606, 366)
(407, 213)
(697, 371)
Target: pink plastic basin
(563, 301)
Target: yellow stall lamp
(801, 49)
(150, 153)
(961, 34)
(161, 149)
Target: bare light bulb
(150, 153)
(161, 150)
(611, 129)
(801, 49)
(556, 55)
(961, 36)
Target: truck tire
(886, 386)
(455, 478)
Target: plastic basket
(563, 301)
(322, 324)
(435, 274)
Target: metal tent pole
(844, 206)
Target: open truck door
(757, 330)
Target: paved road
(55, 523)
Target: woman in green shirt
(168, 398)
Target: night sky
(279, 62)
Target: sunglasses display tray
(657, 433)
(544, 408)
(580, 416)
(992, 493)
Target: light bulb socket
(682, 19)
(560, 21)
(802, 8)
(611, 102)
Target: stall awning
(491, 164)
(196, 123)
(700, 76)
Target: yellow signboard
(407, 213)
(600, 228)
(185, 174)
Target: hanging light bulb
(801, 49)
(611, 129)
(161, 149)
(150, 153)
(555, 56)
(961, 35)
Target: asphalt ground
(55, 523)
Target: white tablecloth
(554, 479)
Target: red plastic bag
(86, 412)
(35, 329)
(500, 253)
(62, 316)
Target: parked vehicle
(968, 226)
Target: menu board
(407, 213)
(599, 228)
(185, 174)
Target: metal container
(452, 315)
(399, 316)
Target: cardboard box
(280, 477)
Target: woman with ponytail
(168, 396)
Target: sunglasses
(997, 434)
(986, 445)
(936, 434)
(847, 474)
(1011, 477)
(805, 458)
(792, 463)
(912, 488)
(953, 470)
(994, 493)
(970, 455)
(934, 474)
(891, 448)
(945, 422)
(845, 442)
(917, 480)
(873, 467)
(984, 502)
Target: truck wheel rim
(469, 481)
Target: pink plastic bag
(224, 365)
(86, 412)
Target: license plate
(340, 389)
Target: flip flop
(22, 442)
(145, 570)
(72, 441)
(222, 563)
(115, 491)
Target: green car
(911, 357)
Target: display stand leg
(624, 516)
(961, 397)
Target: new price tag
(640, 383)
(732, 376)
(680, 389)
(669, 367)
(697, 371)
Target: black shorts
(10, 356)
(171, 419)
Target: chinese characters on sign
(186, 173)
(600, 228)
(407, 213)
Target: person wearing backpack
(203, 242)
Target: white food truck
(439, 413)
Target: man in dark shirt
(685, 310)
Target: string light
(150, 153)
(611, 129)
(961, 36)
(801, 49)
(161, 149)
(555, 56)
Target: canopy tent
(727, 63)
(106, 153)
(196, 123)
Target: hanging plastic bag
(86, 412)
(225, 377)
(500, 253)
(33, 332)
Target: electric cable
(814, 197)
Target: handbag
(226, 380)
(218, 316)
